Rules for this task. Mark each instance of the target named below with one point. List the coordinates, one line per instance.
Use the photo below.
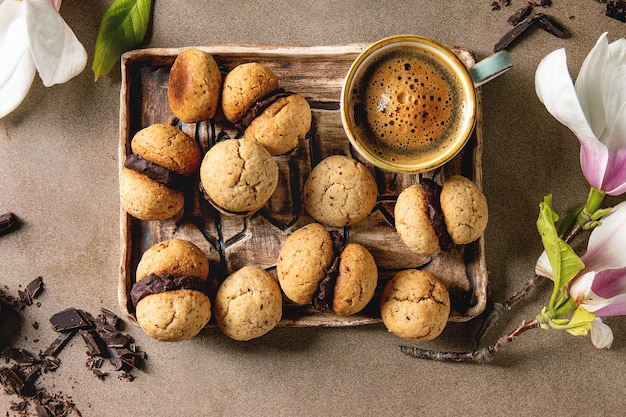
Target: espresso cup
(408, 103)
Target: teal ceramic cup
(408, 103)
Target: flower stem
(482, 355)
(593, 203)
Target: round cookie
(415, 305)
(464, 209)
(238, 176)
(413, 223)
(172, 309)
(302, 262)
(248, 304)
(281, 125)
(340, 191)
(243, 86)
(356, 282)
(164, 150)
(169, 147)
(146, 199)
(193, 88)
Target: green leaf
(563, 260)
(570, 218)
(581, 322)
(123, 26)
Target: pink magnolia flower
(35, 38)
(600, 287)
(594, 109)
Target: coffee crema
(408, 106)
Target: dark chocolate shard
(70, 320)
(8, 223)
(515, 33)
(155, 172)
(59, 343)
(32, 290)
(551, 26)
(93, 341)
(520, 14)
(18, 355)
(11, 380)
(616, 10)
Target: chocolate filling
(155, 172)
(323, 298)
(156, 284)
(260, 106)
(433, 192)
(210, 200)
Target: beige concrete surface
(58, 173)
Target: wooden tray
(318, 74)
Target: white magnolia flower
(594, 109)
(35, 38)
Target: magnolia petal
(605, 249)
(556, 91)
(614, 80)
(601, 334)
(615, 306)
(58, 54)
(543, 267)
(610, 283)
(580, 287)
(615, 175)
(13, 44)
(16, 88)
(56, 4)
(589, 85)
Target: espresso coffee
(408, 106)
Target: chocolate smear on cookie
(158, 283)
(155, 172)
(323, 298)
(432, 190)
(260, 106)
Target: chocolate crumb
(520, 15)
(8, 223)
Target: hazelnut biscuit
(340, 191)
(238, 176)
(248, 303)
(170, 302)
(464, 208)
(413, 223)
(281, 125)
(243, 86)
(356, 281)
(194, 85)
(415, 305)
(163, 158)
(302, 262)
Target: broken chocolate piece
(155, 172)
(95, 344)
(520, 15)
(155, 284)
(33, 289)
(8, 223)
(11, 380)
(70, 320)
(551, 26)
(616, 10)
(58, 344)
(512, 35)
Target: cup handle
(490, 67)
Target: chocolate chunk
(155, 172)
(260, 106)
(551, 26)
(33, 289)
(520, 15)
(8, 223)
(70, 320)
(155, 284)
(512, 35)
(11, 380)
(18, 355)
(616, 10)
(432, 191)
(95, 344)
(59, 343)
